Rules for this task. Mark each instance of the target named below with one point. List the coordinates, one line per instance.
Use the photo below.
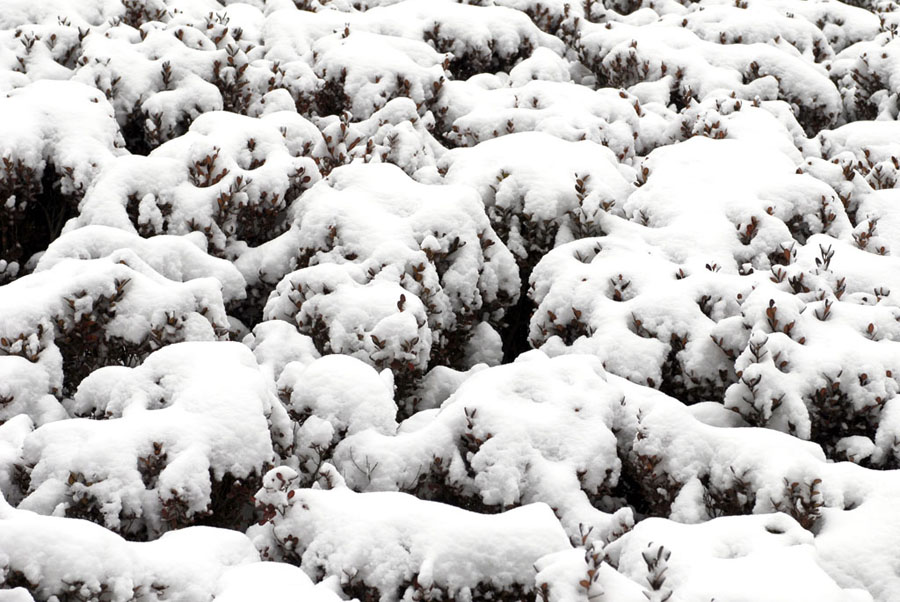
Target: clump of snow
(12, 435)
(55, 134)
(270, 580)
(276, 343)
(25, 391)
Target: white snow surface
(425, 299)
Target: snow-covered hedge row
(261, 262)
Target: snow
(202, 409)
(398, 539)
(65, 123)
(430, 300)
(722, 558)
(59, 557)
(421, 285)
(509, 435)
(269, 580)
(178, 258)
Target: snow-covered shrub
(680, 260)
(48, 557)
(859, 159)
(539, 189)
(162, 68)
(184, 438)
(480, 39)
(80, 315)
(424, 257)
(54, 138)
(362, 71)
(792, 375)
(392, 546)
(646, 317)
(328, 399)
(707, 469)
(540, 430)
(484, 107)
(623, 55)
(178, 258)
(230, 177)
(57, 558)
(867, 79)
(722, 559)
(390, 330)
(393, 134)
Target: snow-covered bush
(394, 546)
(393, 271)
(539, 189)
(627, 54)
(80, 315)
(178, 258)
(230, 177)
(54, 139)
(328, 399)
(71, 559)
(184, 438)
(792, 375)
(488, 107)
(393, 134)
(715, 559)
(534, 431)
(48, 557)
(680, 261)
